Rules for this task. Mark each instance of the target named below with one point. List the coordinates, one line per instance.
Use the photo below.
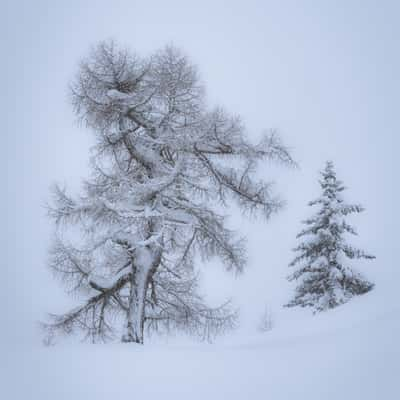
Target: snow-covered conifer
(325, 278)
(161, 164)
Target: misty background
(324, 74)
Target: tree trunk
(135, 313)
(143, 268)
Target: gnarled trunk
(145, 264)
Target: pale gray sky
(324, 73)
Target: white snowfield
(352, 352)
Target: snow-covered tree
(266, 322)
(162, 165)
(325, 278)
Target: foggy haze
(324, 74)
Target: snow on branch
(325, 281)
(149, 208)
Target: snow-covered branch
(159, 168)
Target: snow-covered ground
(352, 352)
(326, 75)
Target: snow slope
(352, 352)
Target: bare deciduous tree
(161, 163)
(267, 321)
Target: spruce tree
(325, 278)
